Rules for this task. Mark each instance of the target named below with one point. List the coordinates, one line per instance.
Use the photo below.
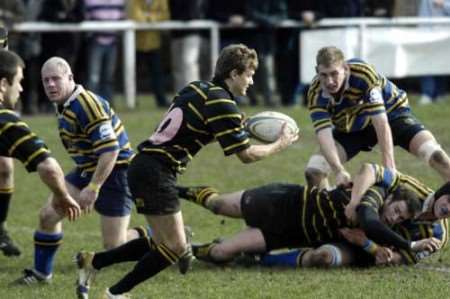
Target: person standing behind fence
(148, 43)
(186, 44)
(433, 87)
(102, 46)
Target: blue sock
(45, 246)
(285, 259)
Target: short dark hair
(411, 198)
(235, 56)
(9, 61)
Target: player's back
(202, 112)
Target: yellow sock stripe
(57, 243)
(204, 195)
(171, 256)
(7, 190)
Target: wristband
(94, 187)
(413, 243)
(370, 247)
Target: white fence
(310, 40)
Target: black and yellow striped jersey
(17, 141)
(89, 127)
(202, 112)
(321, 213)
(352, 111)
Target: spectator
(11, 11)
(148, 43)
(102, 46)
(266, 14)
(433, 87)
(186, 44)
(406, 8)
(62, 44)
(29, 48)
(287, 56)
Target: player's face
(239, 83)
(58, 85)
(12, 91)
(441, 207)
(332, 77)
(395, 212)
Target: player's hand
(343, 178)
(350, 213)
(87, 199)
(287, 137)
(429, 244)
(354, 236)
(67, 206)
(383, 256)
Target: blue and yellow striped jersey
(17, 141)
(88, 127)
(352, 111)
(201, 113)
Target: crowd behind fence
(129, 28)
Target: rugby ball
(266, 126)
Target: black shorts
(403, 128)
(152, 185)
(274, 210)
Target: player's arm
(52, 175)
(384, 137)
(259, 151)
(368, 175)
(330, 152)
(105, 165)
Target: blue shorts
(403, 129)
(114, 198)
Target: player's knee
(317, 170)
(440, 157)
(314, 177)
(431, 152)
(48, 218)
(326, 256)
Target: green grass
(228, 174)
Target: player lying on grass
(430, 222)
(286, 216)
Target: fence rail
(129, 28)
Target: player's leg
(227, 204)
(169, 246)
(424, 146)
(114, 230)
(250, 240)
(7, 245)
(318, 168)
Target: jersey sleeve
(368, 213)
(317, 107)
(19, 142)
(385, 177)
(224, 119)
(414, 231)
(96, 123)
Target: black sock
(151, 264)
(5, 199)
(133, 250)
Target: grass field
(228, 174)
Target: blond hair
(328, 56)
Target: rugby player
(17, 141)
(353, 108)
(202, 112)
(286, 216)
(7, 245)
(96, 140)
